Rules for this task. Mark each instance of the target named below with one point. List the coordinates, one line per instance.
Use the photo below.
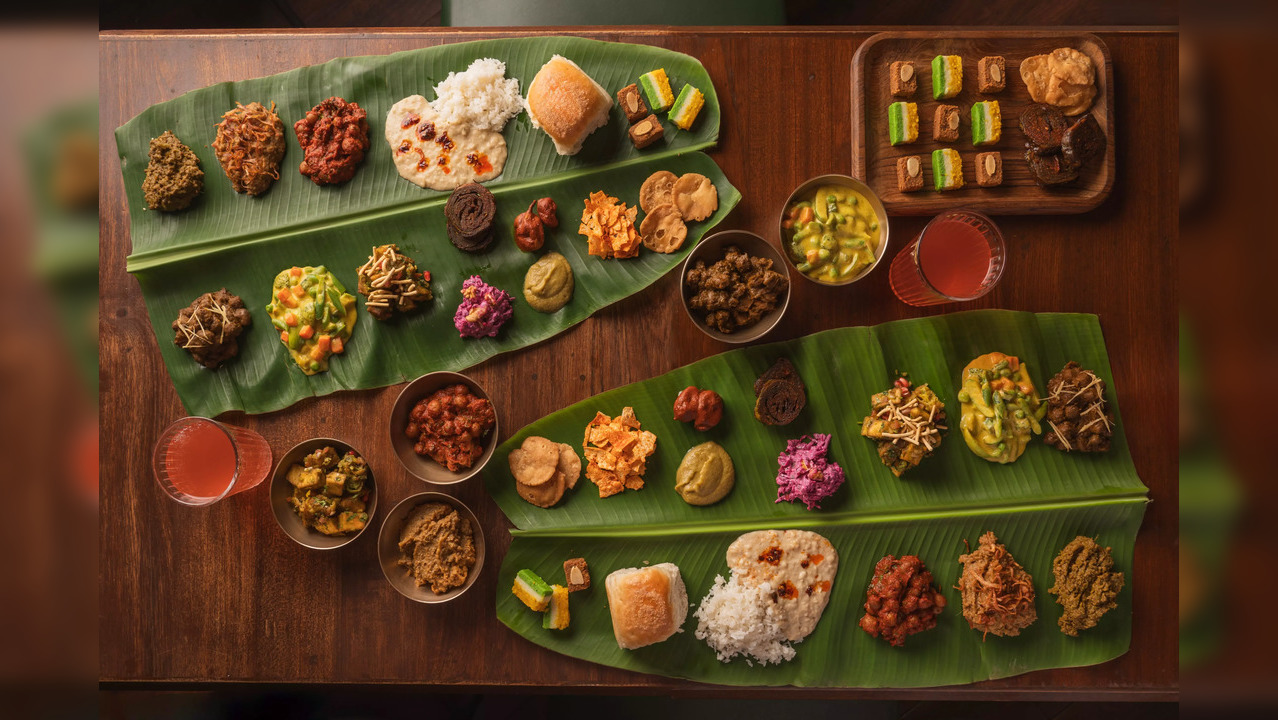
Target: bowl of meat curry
(735, 286)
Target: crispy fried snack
(617, 452)
(998, 595)
(609, 227)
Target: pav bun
(647, 605)
(567, 104)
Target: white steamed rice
(737, 620)
(482, 96)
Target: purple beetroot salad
(806, 474)
(483, 310)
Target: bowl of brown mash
(431, 547)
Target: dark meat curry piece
(334, 138)
(735, 292)
(1078, 417)
(210, 326)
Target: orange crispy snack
(609, 227)
(617, 451)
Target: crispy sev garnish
(390, 281)
(249, 145)
(907, 423)
(997, 593)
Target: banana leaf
(1035, 505)
(242, 242)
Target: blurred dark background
(430, 13)
(47, 654)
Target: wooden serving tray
(874, 159)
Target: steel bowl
(806, 189)
(289, 521)
(388, 552)
(711, 250)
(419, 466)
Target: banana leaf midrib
(848, 518)
(164, 255)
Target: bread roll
(647, 605)
(567, 104)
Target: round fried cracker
(657, 189)
(545, 494)
(695, 196)
(535, 462)
(663, 230)
(569, 464)
(1035, 73)
(1071, 66)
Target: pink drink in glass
(199, 461)
(958, 256)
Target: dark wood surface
(874, 157)
(221, 595)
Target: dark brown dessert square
(646, 132)
(902, 79)
(576, 574)
(945, 125)
(989, 169)
(909, 173)
(632, 103)
(991, 74)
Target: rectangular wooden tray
(874, 158)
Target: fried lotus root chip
(1064, 77)
(696, 197)
(657, 190)
(663, 230)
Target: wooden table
(220, 595)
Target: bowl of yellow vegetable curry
(834, 230)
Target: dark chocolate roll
(1083, 141)
(1044, 127)
(1050, 168)
(469, 215)
(782, 369)
(780, 402)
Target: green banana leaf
(241, 242)
(1035, 505)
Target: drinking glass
(199, 461)
(958, 256)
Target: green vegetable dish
(330, 495)
(314, 314)
(836, 234)
(1001, 410)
